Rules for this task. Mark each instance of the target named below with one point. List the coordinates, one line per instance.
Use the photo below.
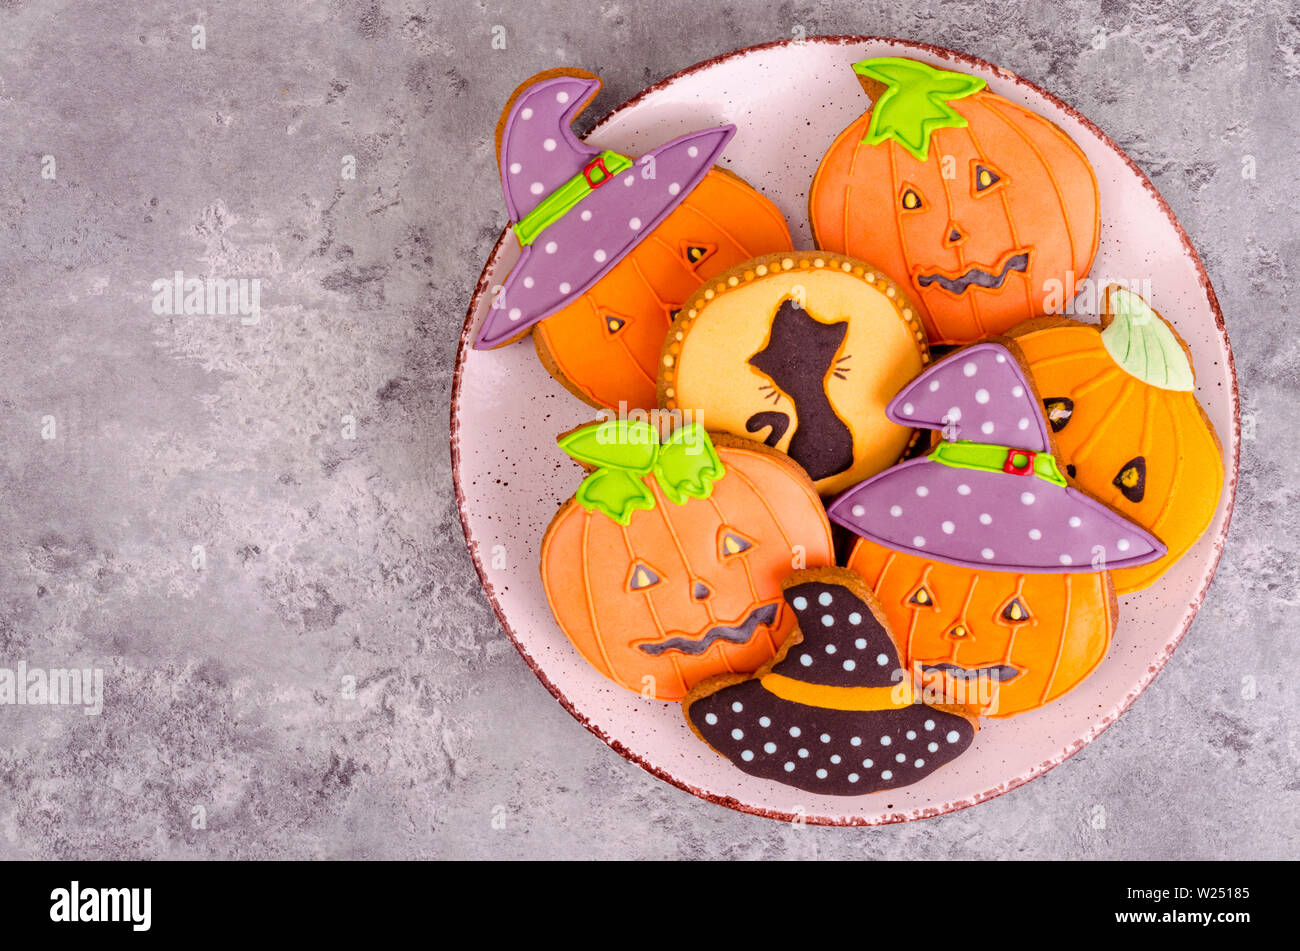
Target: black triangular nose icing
(700, 591)
(954, 235)
(843, 643)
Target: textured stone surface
(326, 557)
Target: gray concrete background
(327, 557)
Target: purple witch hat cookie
(578, 210)
(990, 495)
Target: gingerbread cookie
(1122, 406)
(833, 714)
(665, 568)
(799, 351)
(980, 207)
(982, 551)
(611, 246)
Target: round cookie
(983, 209)
(665, 568)
(832, 714)
(1122, 406)
(799, 351)
(611, 246)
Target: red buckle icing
(1010, 466)
(597, 163)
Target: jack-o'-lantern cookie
(800, 351)
(979, 206)
(665, 568)
(611, 246)
(988, 562)
(831, 714)
(1122, 406)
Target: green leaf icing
(1139, 340)
(688, 465)
(627, 453)
(617, 443)
(616, 492)
(916, 102)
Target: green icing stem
(916, 102)
(1141, 343)
(987, 457)
(563, 200)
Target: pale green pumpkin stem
(1142, 344)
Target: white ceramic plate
(789, 101)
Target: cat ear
(978, 394)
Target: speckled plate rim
(1230, 481)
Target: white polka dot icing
(748, 723)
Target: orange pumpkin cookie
(1002, 642)
(800, 351)
(665, 568)
(989, 563)
(611, 246)
(976, 204)
(831, 714)
(1122, 406)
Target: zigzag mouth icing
(977, 277)
(733, 634)
(998, 673)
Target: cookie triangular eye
(697, 252)
(614, 323)
(1132, 479)
(921, 597)
(1059, 412)
(985, 177)
(732, 543)
(1015, 612)
(642, 576)
(910, 199)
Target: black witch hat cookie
(831, 714)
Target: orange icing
(1067, 627)
(589, 561)
(721, 223)
(1044, 204)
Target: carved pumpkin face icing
(800, 352)
(604, 347)
(1122, 405)
(1031, 637)
(666, 567)
(988, 562)
(975, 203)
